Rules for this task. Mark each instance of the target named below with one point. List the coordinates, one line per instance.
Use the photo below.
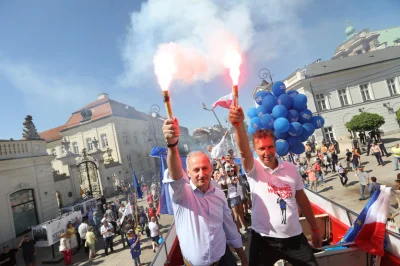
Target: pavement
(332, 189)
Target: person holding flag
(202, 216)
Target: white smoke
(199, 31)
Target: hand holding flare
(233, 60)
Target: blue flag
(139, 194)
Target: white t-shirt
(104, 229)
(275, 212)
(363, 176)
(153, 229)
(82, 230)
(233, 191)
(340, 169)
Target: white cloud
(34, 81)
(264, 30)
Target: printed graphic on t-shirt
(282, 205)
(283, 193)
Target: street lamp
(263, 74)
(154, 112)
(212, 110)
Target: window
(321, 101)
(75, 147)
(23, 207)
(328, 133)
(391, 86)
(104, 141)
(135, 139)
(343, 97)
(130, 163)
(89, 144)
(365, 92)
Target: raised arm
(236, 117)
(171, 134)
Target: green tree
(398, 115)
(365, 122)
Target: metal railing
(159, 257)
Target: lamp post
(212, 110)
(154, 109)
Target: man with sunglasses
(277, 188)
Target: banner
(81, 207)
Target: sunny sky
(57, 56)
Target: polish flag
(372, 232)
(224, 101)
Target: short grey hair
(194, 153)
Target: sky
(57, 56)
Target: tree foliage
(398, 115)
(365, 122)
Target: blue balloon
(305, 108)
(285, 100)
(279, 111)
(251, 130)
(308, 129)
(279, 135)
(305, 116)
(293, 116)
(298, 148)
(282, 147)
(281, 125)
(317, 122)
(292, 93)
(278, 88)
(303, 137)
(267, 121)
(299, 102)
(261, 110)
(293, 140)
(260, 95)
(255, 123)
(252, 112)
(269, 102)
(295, 129)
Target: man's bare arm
(171, 134)
(236, 117)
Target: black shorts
(29, 259)
(155, 239)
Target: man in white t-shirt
(277, 188)
(364, 181)
(107, 231)
(82, 230)
(154, 233)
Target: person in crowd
(356, 159)
(65, 248)
(197, 204)
(335, 160)
(91, 243)
(28, 246)
(382, 147)
(318, 172)
(369, 144)
(8, 257)
(77, 222)
(82, 230)
(356, 145)
(349, 155)
(376, 151)
(396, 156)
(96, 223)
(312, 178)
(327, 163)
(134, 244)
(110, 214)
(372, 135)
(143, 220)
(332, 148)
(71, 233)
(364, 181)
(90, 215)
(277, 190)
(361, 135)
(308, 152)
(103, 201)
(342, 175)
(373, 186)
(154, 233)
(107, 231)
(121, 227)
(121, 208)
(149, 198)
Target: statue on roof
(30, 132)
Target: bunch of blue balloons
(287, 115)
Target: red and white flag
(224, 101)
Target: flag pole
(135, 209)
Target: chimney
(103, 96)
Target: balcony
(15, 149)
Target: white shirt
(275, 212)
(153, 229)
(340, 169)
(233, 191)
(82, 230)
(105, 229)
(363, 176)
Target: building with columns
(116, 137)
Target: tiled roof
(51, 134)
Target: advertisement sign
(81, 207)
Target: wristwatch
(172, 145)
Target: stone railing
(14, 149)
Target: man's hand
(171, 130)
(236, 115)
(316, 239)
